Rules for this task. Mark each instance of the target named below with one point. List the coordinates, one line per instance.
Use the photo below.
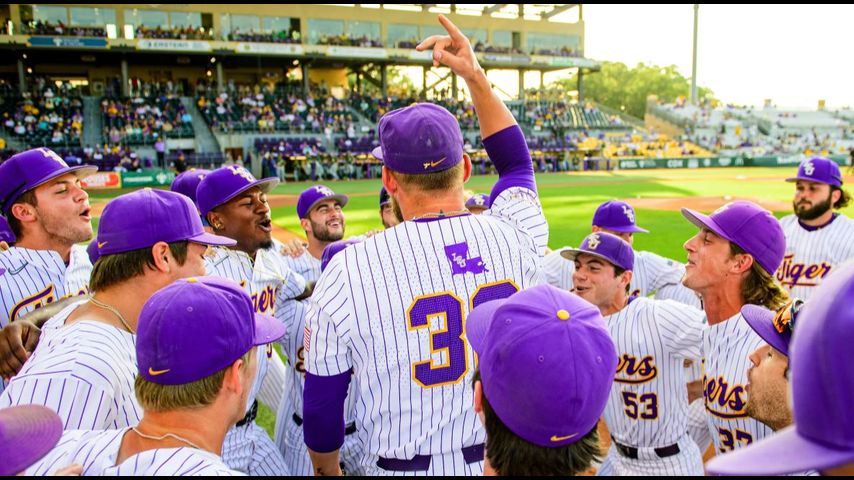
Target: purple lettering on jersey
(720, 394)
(460, 263)
(790, 274)
(37, 300)
(643, 370)
(2, 271)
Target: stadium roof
(555, 12)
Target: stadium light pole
(694, 59)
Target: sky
(791, 54)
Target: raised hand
(453, 51)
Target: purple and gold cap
(312, 195)
(820, 170)
(420, 138)
(547, 363)
(774, 327)
(6, 234)
(29, 169)
(332, 249)
(188, 182)
(196, 327)
(225, 183)
(478, 200)
(606, 246)
(822, 382)
(144, 217)
(749, 226)
(617, 216)
(27, 433)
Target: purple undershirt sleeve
(509, 153)
(323, 411)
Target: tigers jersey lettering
(812, 255)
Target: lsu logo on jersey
(37, 300)
(632, 371)
(724, 400)
(460, 263)
(792, 274)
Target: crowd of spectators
(179, 32)
(49, 114)
(143, 120)
(39, 27)
(345, 40)
(282, 36)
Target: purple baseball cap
(547, 363)
(147, 216)
(196, 327)
(749, 226)
(27, 433)
(617, 216)
(225, 183)
(820, 170)
(312, 195)
(92, 251)
(822, 391)
(6, 234)
(332, 249)
(385, 198)
(187, 183)
(606, 246)
(28, 170)
(774, 327)
(478, 200)
(420, 138)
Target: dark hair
(619, 271)
(14, 224)
(114, 269)
(844, 197)
(510, 455)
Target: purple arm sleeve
(323, 411)
(509, 153)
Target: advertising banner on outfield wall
(147, 178)
(102, 180)
(680, 163)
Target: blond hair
(760, 287)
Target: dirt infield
(703, 204)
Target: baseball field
(569, 200)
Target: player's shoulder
(789, 220)
(677, 309)
(93, 351)
(89, 448)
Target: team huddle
(453, 342)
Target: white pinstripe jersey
(305, 265)
(30, 279)
(726, 347)
(265, 278)
(812, 255)
(97, 451)
(85, 372)
(393, 308)
(648, 405)
(652, 274)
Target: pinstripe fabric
(812, 255)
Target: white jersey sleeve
(521, 208)
(326, 342)
(557, 271)
(681, 329)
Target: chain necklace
(165, 436)
(115, 312)
(442, 214)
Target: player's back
(398, 302)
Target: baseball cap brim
(267, 329)
(81, 172)
(785, 452)
(342, 199)
(761, 320)
(378, 152)
(813, 180)
(33, 431)
(704, 221)
(265, 184)
(628, 229)
(479, 321)
(213, 240)
(572, 253)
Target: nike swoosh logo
(433, 164)
(555, 438)
(155, 373)
(15, 271)
(101, 244)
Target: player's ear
(305, 224)
(742, 263)
(478, 400)
(627, 277)
(389, 182)
(162, 257)
(24, 212)
(466, 167)
(214, 220)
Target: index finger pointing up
(452, 29)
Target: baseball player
(647, 413)
(387, 215)
(322, 220)
(188, 182)
(541, 337)
(85, 368)
(653, 273)
(768, 375)
(196, 350)
(7, 236)
(731, 263)
(235, 205)
(817, 238)
(390, 311)
(822, 437)
(289, 420)
(478, 203)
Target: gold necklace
(165, 436)
(442, 214)
(115, 312)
